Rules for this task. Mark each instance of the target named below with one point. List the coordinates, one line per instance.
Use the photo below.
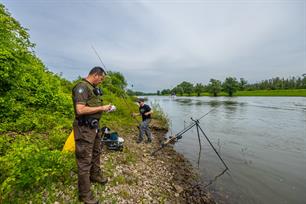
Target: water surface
(261, 139)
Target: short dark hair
(97, 70)
(140, 100)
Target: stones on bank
(137, 177)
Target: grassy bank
(287, 92)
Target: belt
(87, 121)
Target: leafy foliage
(115, 83)
(25, 84)
(199, 88)
(31, 166)
(214, 87)
(230, 85)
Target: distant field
(287, 92)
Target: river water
(261, 139)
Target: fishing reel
(172, 139)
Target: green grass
(288, 92)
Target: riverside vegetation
(36, 115)
(293, 86)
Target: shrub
(28, 166)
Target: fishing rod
(130, 110)
(179, 135)
(199, 129)
(121, 94)
(99, 57)
(172, 139)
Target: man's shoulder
(146, 106)
(80, 87)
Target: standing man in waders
(145, 111)
(88, 110)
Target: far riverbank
(285, 92)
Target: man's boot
(85, 194)
(97, 178)
(88, 199)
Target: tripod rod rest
(196, 121)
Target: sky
(158, 44)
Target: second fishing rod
(121, 94)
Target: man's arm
(82, 109)
(150, 112)
(135, 114)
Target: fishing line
(119, 93)
(98, 57)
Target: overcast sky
(158, 44)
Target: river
(261, 139)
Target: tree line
(232, 85)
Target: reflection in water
(184, 101)
(213, 103)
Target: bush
(28, 167)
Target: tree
(242, 84)
(178, 90)
(158, 92)
(187, 87)
(304, 81)
(230, 85)
(214, 87)
(165, 91)
(25, 82)
(199, 88)
(115, 82)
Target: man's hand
(106, 107)
(148, 113)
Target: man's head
(140, 101)
(96, 75)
